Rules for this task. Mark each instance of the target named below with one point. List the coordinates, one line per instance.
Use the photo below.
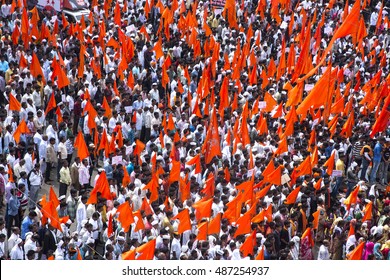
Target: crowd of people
(195, 130)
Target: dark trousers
(366, 163)
(13, 221)
(63, 189)
(49, 166)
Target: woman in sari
(368, 250)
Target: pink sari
(306, 253)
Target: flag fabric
(82, 149)
(249, 244)
(305, 167)
(292, 197)
(243, 224)
(14, 104)
(125, 216)
(203, 208)
(129, 255)
(21, 129)
(51, 104)
(214, 226)
(101, 186)
(146, 251)
(367, 212)
(352, 198)
(357, 253)
(185, 221)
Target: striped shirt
(357, 147)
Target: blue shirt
(25, 224)
(3, 66)
(13, 206)
(130, 168)
(378, 152)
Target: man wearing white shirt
(36, 181)
(32, 244)
(323, 253)
(84, 174)
(81, 212)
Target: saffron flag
(292, 197)
(185, 221)
(14, 104)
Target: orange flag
(316, 216)
(101, 186)
(110, 229)
(106, 107)
(330, 164)
(62, 79)
(292, 197)
(129, 255)
(275, 177)
(152, 186)
(82, 150)
(14, 104)
(351, 230)
(263, 192)
(259, 217)
(174, 175)
(318, 96)
(230, 9)
(125, 217)
(139, 147)
(248, 245)
(244, 224)
(140, 223)
(348, 27)
(305, 167)
(282, 147)
(184, 190)
(196, 160)
(308, 235)
(21, 129)
(209, 188)
(185, 221)
(269, 169)
(317, 185)
(203, 208)
(126, 178)
(381, 123)
(212, 146)
(357, 253)
(49, 212)
(51, 104)
(53, 197)
(367, 212)
(79, 257)
(346, 131)
(158, 49)
(146, 207)
(352, 198)
(270, 102)
(146, 251)
(35, 67)
(215, 224)
(202, 231)
(260, 255)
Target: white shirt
(83, 175)
(323, 253)
(81, 214)
(16, 253)
(30, 245)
